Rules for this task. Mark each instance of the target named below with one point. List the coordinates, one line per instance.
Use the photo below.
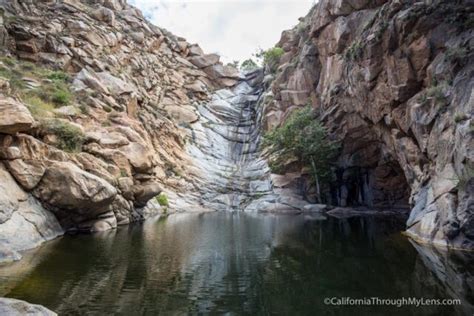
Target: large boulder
(219, 71)
(14, 116)
(115, 85)
(24, 223)
(85, 79)
(204, 60)
(10, 195)
(145, 192)
(28, 227)
(139, 156)
(65, 186)
(28, 173)
(14, 307)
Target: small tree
(270, 57)
(248, 65)
(303, 137)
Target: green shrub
(70, 137)
(248, 65)
(162, 199)
(123, 173)
(422, 98)
(436, 92)
(303, 137)
(9, 61)
(459, 117)
(61, 96)
(58, 76)
(354, 51)
(38, 108)
(272, 56)
(456, 54)
(54, 87)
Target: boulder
(28, 173)
(138, 37)
(139, 157)
(105, 14)
(115, 85)
(145, 192)
(10, 195)
(182, 114)
(195, 50)
(24, 223)
(29, 227)
(116, 5)
(86, 79)
(67, 187)
(14, 116)
(10, 153)
(14, 307)
(221, 71)
(126, 187)
(196, 86)
(204, 60)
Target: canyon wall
(392, 81)
(101, 111)
(95, 111)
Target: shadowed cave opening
(381, 187)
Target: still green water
(236, 263)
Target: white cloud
(232, 28)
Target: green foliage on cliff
(248, 65)
(41, 89)
(69, 137)
(270, 57)
(162, 199)
(354, 51)
(303, 137)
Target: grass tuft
(162, 199)
(70, 137)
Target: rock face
(13, 307)
(99, 157)
(14, 116)
(393, 81)
(24, 223)
(74, 192)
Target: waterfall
(225, 148)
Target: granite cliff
(95, 109)
(393, 82)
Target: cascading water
(225, 149)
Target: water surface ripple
(238, 263)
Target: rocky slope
(95, 109)
(393, 81)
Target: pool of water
(236, 263)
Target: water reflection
(238, 263)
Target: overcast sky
(232, 28)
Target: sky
(234, 29)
